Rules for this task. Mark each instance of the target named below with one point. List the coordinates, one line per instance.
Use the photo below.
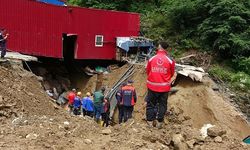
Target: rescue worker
(77, 104)
(98, 102)
(129, 98)
(119, 103)
(160, 69)
(3, 41)
(88, 105)
(71, 97)
(105, 112)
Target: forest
(218, 27)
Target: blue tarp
(54, 2)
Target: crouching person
(88, 106)
(77, 104)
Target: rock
(218, 139)
(31, 136)
(215, 88)
(1, 99)
(232, 96)
(87, 141)
(66, 125)
(164, 147)
(106, 131)
(135, 130)
(215, 131)
(139, 144)
(178, 141)
(191, 143)
(39, 78)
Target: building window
(99, 40)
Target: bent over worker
(129, 98)
(160, 69)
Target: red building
(57, 31)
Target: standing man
(118, 97)
(71, 97)
(129, 98)
(77, 104)
(98, 103)
(3, 41)
(88, 105)
(160, 69)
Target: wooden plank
(15, 55)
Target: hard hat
(88, 94)
(79, 93)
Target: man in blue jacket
(77, 104)
(88, 106)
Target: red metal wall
(37, 28)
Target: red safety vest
(160, 69)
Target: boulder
(178, 141)
(106, 131)
(87, 141)
(215, 131)
(218, 139)
(191, 143)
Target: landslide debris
(32, 122)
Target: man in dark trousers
(119, 103)
(129, 98)
(98, 103)
(3, 41)
(160, 69)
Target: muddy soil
(29, 120)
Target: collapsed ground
(30, 120)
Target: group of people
(96, 106)
(161, 73)
(92, 105)
(3, 40)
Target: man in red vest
(160, 69)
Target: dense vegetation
(218, 26)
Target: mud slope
(203, 106)
(196, 100)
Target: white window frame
(98, 36)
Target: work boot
(159, 125)
(154, 123)
(150, 124)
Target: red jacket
(71, 97)
(160, 69)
